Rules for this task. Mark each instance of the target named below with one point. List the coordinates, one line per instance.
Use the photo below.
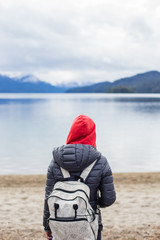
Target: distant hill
(26, 84)
(148, 82)
(94, 88)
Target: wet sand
(134, 216)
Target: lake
(31, 125)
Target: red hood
(82, 131)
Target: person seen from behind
(78, 153)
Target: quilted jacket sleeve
(49, 186)
(108, 194)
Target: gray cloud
(79, 41)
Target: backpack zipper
(67, 191)
(69, 199)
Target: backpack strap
(84, 173)
(87, 171)
(65, 173)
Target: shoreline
(38, 180)
(134, 216)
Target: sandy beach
(134, 216)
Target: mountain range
(148, 82)
(27, 84)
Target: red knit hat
(82, 131)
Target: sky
(80, 41)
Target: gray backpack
(71, 215)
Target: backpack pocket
(73, 230)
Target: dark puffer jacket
(75, 158)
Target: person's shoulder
(104, 162)
(58, 148)
(102, 158)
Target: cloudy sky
(82, 40)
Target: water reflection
(20, 101)
(32, 124)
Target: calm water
(128, 129)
